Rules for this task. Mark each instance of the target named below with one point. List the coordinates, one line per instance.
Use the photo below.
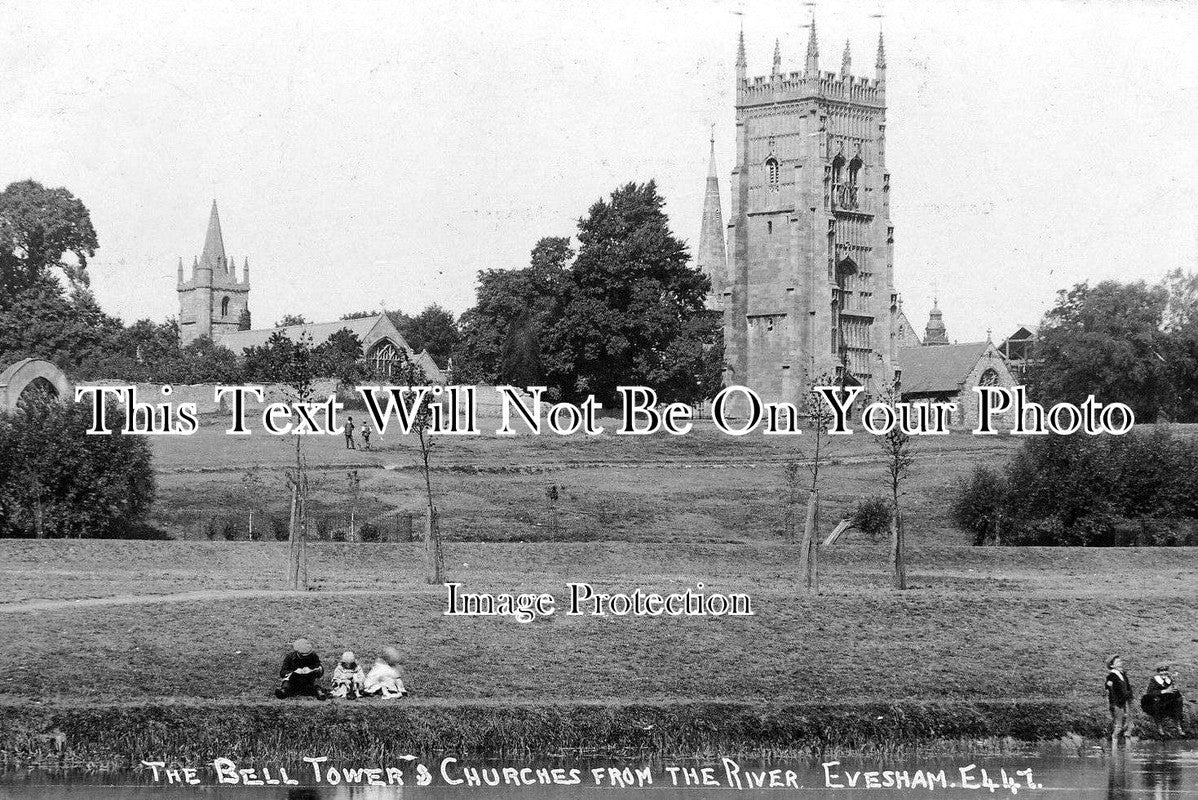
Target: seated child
(385, 678)
(300, 673)
(348, 677)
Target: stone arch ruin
(30, 376)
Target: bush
(977, 505)
(1087, 491)
(230, 529)
(57, 481)
(279, 529)
(369, 532)
(872, 515)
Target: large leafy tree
(1106, 340)
(43, 232)
(502, 336)
(628, 304)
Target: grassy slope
(990, 623)
(703, 487)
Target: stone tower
(213, 301)
(712, 258)
(812, 273)
(935, 333)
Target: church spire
(214, 244)
(741, 63)
(880, 64)
(711, 258)
(846, 61)
(812, 51)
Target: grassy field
(702, 487)
(111, 639)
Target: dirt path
(177, 597)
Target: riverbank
(267, 732)
(171, 649)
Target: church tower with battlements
(213, 301)
(811, 272)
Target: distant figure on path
(385, 678)
(1118, 695)
(365, 436)
(301, 672)
(349, 434)
(1163, 701)
(348, 677)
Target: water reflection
(1146, 770)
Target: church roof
(939, 369)
(368, 329)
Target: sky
(373, 155)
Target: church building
(215, 304)
(809, 288)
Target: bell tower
(213, 301)
(811, 283)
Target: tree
(500, 338)
(58, 482)
(627, 302)
(899, 456)
(43, 231)
(291, 319)
(434, 557)
(433, 329)
(819, 421)
(291, 363)
(1106, 340)
(1181, 356)
(340, 357)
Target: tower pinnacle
(846, 61)
(777, 69)
(812, 51)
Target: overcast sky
(384, 153)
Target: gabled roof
(363, 328)
(368, 329)
(1030, 330)
(941, 368)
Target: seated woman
(348, 678)
(301, 672)
(385, 678)
(1163, 701)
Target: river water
(1144, 770)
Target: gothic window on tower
(838, 182)
(773, 173)
(224, 306)
(851, 193)
(989, 378)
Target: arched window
(224, 306)
(773, 172)
(385, 359)
(854, 172)
(989, 378)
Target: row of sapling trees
(295, 365)
(897, 456)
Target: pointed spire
(711, 257)
(777, 70)
(180, 269)
(812, 50)
(245, 272)
(740, 48)
(846, 61)
(881, 62)
(214, 244)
